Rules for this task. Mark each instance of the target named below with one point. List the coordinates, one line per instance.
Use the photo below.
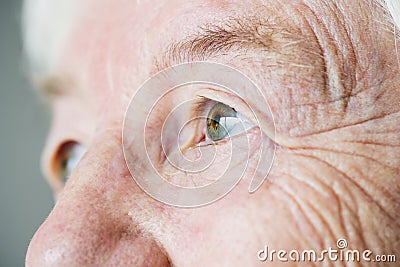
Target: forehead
(101, 43)
(59, 23)
(120, 36)
(49, 24)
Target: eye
(69, 155)
(223, 121)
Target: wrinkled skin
(333, 91)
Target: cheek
(197, 167)
(224, 226)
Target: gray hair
(46, 25)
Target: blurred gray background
(25, 199)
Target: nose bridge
(90, 223)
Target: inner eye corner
(194, 142)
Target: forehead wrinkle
(238, 35)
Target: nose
(95, 221)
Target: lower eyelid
(247, 133)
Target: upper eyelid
(201, 106)
(230, 99)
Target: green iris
(217, 126)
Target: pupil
(213, 123)
(215, 130)
(216, 121)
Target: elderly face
(330, 73)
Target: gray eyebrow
(236, 37)
(239, 35)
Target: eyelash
(200, 109)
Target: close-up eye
(223, 121)
(68, 156)
(218, 121)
